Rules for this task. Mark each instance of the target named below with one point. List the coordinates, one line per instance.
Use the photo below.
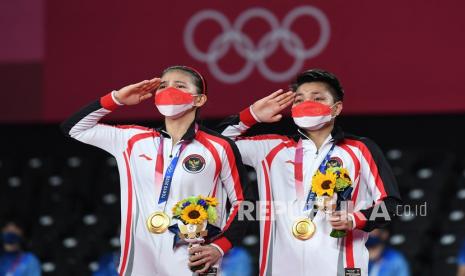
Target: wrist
(217, 249)
(351, 221)
(108, 102)
(248, 117)
(222, 244)
(114, 95)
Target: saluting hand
(269, 108)
(138, 92)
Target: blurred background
(402, 65)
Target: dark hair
(318, 75)
(197, 78)
(17, 222)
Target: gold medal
(303, 229)
(158, 222)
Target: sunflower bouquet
(195, 217)
(196, 210)
(325, 184)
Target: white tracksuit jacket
(273, 157)
(217, 171)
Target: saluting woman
(158, 167)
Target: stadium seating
(69, 200)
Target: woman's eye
(181, 86)
(161, 86)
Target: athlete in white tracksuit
(208, 165)
(284, 185)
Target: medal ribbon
(166, 185)
(163, 183)
(298, 174)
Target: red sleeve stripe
(232, 216)
(223, 243)
(108, 103)
(349, 238)
(265, 137)
(127, 233)
(357, 170)
(134, 127)
(231, 161)
(349, 245)
(134, 139)
(247, 118)
(201, 138)
(371, 162)
(267, 226)
(272, 154)
(360, 220)
(235, 174)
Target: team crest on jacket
(193, 163)
(335, 162)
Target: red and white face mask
(311, 115)
(172, 102)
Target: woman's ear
(200, 100)
(337, 109)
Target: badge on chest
(193, 163)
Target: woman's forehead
(313, 88)
(176, 75)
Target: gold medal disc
(158, 222)
(303, 229)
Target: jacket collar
(188, 136)
(337, 134)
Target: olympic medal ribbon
(304, 228)
(158, 222)
(298, 174)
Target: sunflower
(211, 201)
(343, 181)
(194, 214)
(176, 210)
(344, 174)
(323, 184)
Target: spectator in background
(108, 264)
(384, 261)
(461, 261)
(109, 261)
(237, 262)
(14, 261)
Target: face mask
(373, 241)
(172, 102)
(11, 238)
(311, 115)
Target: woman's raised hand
(138, 92)
(269, 108)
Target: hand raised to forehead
(268, 109)
(138, 92)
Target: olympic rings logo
(256, 55)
